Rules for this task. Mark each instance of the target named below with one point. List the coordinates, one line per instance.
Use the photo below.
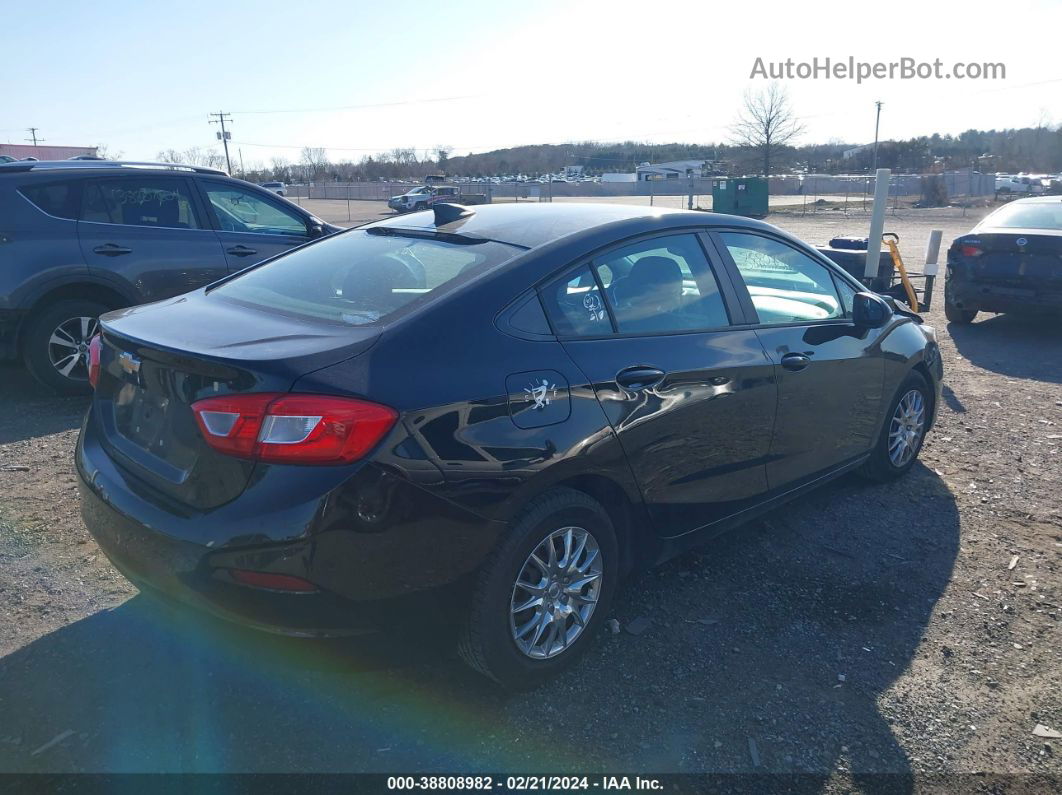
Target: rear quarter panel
(448, 372)
(41, 250)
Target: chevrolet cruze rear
(514, 406)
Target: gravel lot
(909, 629)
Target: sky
(359, 78)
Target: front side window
(139, 202)
(360, 277)
(240, 210)
(786, 285)
(662, 285)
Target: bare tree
(193, 156)
(442, 155)
(315, 158)
(766, 122)
(104, 153)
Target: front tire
(55, 348)
(545, 591)
(901, 437)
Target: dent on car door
(146, 232)
(830, 373)
(691, 399)
(252, 226)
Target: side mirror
(870, 311)
(316, 230)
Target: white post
(877, 222)
(932, 252)
(931, 267)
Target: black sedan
(1010, 262)
(512, 407)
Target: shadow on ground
(781, 637)
(41, 412)
(1015, 345)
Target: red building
(22, 151)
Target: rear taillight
(970, 251)
(95, 345)
(293, 429)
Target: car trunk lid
(156, 361)
(1016, 257)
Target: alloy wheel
(906, 428)
(556, 592)
(68, 347)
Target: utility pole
(224, 135)
(877, 121)
(33, 132)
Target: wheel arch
(80, 289)
(627, 515)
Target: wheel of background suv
(545, 591)
(956, 314)
(420, 206)
(55, 345)
(904, 430)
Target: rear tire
(884, 463)
(492, 640)
(55, 345)
(420, 206)
(956, 314)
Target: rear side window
(786, 285)
(358, 278)
(55, 198)
(575, 306)
(139, 202)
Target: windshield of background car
(1034, 215)
(358, 278)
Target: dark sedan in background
(1010, 262)
(516, 405)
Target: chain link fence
(803, 193)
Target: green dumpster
(741, 196)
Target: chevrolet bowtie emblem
(129, 363)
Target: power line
(223, 117)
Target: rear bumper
(374, 547)
(969, 293)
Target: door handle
(240, 251)
(112, 250)
(795, 361)
(639, 377)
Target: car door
(692, 400)
(830, 373)
(148, 231)
(251, 224)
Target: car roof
(81, 166)
(535, 224)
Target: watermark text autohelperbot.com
(851, 69)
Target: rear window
(1034, 215)
(358, 278)
(55, 198)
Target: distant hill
(1029, 149)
